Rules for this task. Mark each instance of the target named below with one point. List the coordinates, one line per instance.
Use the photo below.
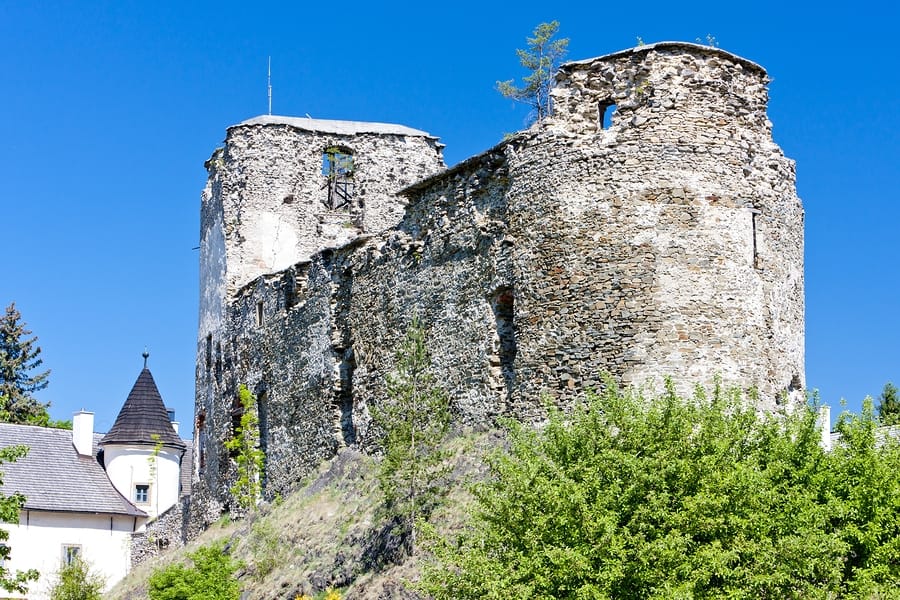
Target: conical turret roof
(143, 417)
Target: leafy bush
(75, 581)
(631, 498)
(211, 577)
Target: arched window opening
(337, 167)
(606, 112)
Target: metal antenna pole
(270, 85)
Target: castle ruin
(649, 227)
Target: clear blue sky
(110, 109)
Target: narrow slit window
(753, 214)
(259, 314)
(338, 170)
(605, 114)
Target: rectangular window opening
(142, 493)
(754, 212)
(70, 553)
(259, 313)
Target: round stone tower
(658, 231)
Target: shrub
(211, 577)
(76, 581)
(631, 498)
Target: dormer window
(142, 493)
(337, 168)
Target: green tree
(415, 420)
(76, 581)
(10, 507)
(211, 577)
(889, 405)
(19, 357)
(249, 457)
(635, 498)
(541, 59)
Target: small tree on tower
(542, 58)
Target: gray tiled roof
(54, 477)
(142, 417)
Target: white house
(86, 493)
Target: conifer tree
(415, 420)
(889, 405)
(19, 357)
(541, 59)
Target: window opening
(70, 553)
(208, 351)
(753, 214)
(142, 493)
(606, 112)
(503, 307)
(337, 167)
(218, 362)
(259, 313)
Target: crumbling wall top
(685, 46)
(335, 127)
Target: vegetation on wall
(249, 457)
(541, 59)
(666, 497)
(211, 578)
(415, 420)
(10, 506)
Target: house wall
(129, 466)
(37, 543)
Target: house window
(70, 553)
(142, 493)
(337, 167)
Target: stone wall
(667, 242)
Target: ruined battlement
(649, 227)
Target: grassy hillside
(327, 534)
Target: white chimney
(175, 426)
(83, 432)
(825, 427)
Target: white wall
(129, 466)
(37, 543)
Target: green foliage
(10, 506)
(76, 581)
(631, 498)
(250, 458)
(541, 59)
(19, 356)
(211, 577)
(415, 420)
(889, 405)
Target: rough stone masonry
(650, 227)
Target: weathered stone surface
(669, 243)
